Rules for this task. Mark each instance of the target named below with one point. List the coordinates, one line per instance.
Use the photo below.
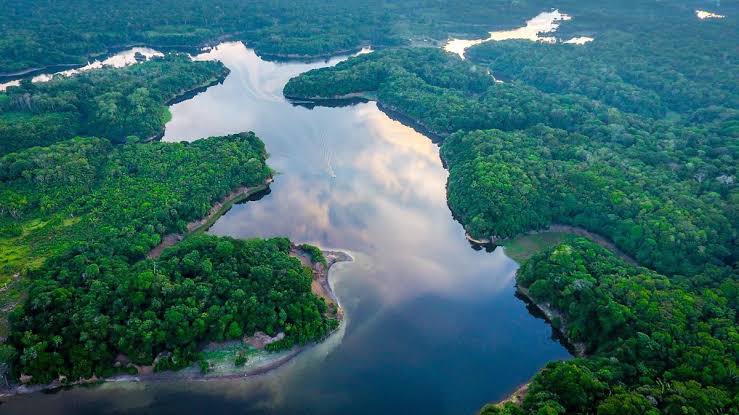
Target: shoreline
(438, 138)
(272, 360)
(544, 311)
(186, 95)
(366, 96)
(216, 211)
(601, 240)
(111, 50)
(192, 92)
(307, 58)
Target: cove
(432, 325)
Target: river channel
(432, 324)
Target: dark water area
(432, 325)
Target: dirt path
(216, 211)
(320, 285)
(600, 240)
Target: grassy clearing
(524, 247)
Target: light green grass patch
(524, 247)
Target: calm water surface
(543, 23)
(432, 325)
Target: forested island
(80, 215)
(632, 137)
(84, 222)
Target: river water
(432, 325)
(544, 23)
(117, 60)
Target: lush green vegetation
(662, 190)
(35, 33)
(616, 70)
(112, 103)
(86, 213)
(654, 345)
(523, 247)
(632, 137)
(86, 307)
(120, 199)
(315, 253)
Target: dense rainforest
(633, 137)
(123, 197)
(86, 307)
(653, 345)
(521, 159)
(113, 103)
(35, 34)
(80, 216)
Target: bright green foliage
(507, 409)
(505, 183)
(316, 255)
(123, 198)
(75, 323)
(649, 337)
(114, 103)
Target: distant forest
(35, 34)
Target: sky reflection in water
(432, 325)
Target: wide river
(432, 325)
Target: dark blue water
(432, 325)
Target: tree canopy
(115, 103)
(85, 308)
(633, 137)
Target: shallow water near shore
(432, 325)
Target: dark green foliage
(19, 130)
(114, 103)
(633, 140)
(123, 198)
(633, 136)
(85, 308)
(592, 166)
(504, 183)
(649, 337)
(648, 72)
(35, 34)
(506, 409)
(240, 359)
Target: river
(432, 325)
(544, 23)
